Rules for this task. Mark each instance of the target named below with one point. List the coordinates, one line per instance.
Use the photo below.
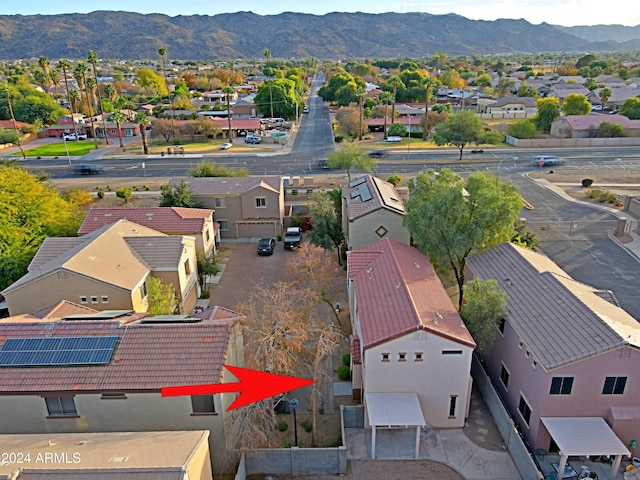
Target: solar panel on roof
(365, 194)
(355, 193)
(57, 351)
(356, 182)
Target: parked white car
(226, 146)
(394, 139)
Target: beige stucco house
(107, 269)
(372, 209)
(407, 336)
(508, 107)
(195, 222)
(586, 126)
(108, 369)
(244, 206)
(113, 455)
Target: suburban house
(407, 339)
(122, 455)
(618, 96)
(372, 209)
(195, 222)
(508, 107)
(105, 371)
(244, 206)
(563, 349)
(586, 126)
(108, 269)
(562, 90)
(83, 126)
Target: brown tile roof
(587, 122)
(146, 357)
(559, 319)
(398, 292)
(62, 309)
(170, 220)
(116, 254)
(526, 101)
(383, 195)
(229, 185)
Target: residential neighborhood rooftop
(368, 193)
(229, 185)
(398, 292)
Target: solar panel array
(363, 192)
(356, 182)
(57, 351)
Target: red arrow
(253, 386)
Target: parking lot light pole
(294, 406)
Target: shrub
(344, 374)
(339, 138)
(294, 191)
(395, 180)
(100, 194)
(124, 193)
(346, 359)
(279, 237)
(587, 182)
(307, 425)
(283, 426)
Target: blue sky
(567, 12)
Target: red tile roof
(398, 292)
(170, 220)
(237, 123)
(146, 357)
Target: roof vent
(416, 264)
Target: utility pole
(425, 133)
(360, 127)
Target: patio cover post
(563, 462)
(417, 442)
(615, 466)
(373, 443)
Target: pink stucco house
(564, 349)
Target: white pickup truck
(70, 137)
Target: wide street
(573, 235)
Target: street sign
(541, 163)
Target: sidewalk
(632, 247)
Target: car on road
(88, 168)
(266, 245)
(377, 153)
(546, 161)
(226, 146)
(70, 137)
(305, 110)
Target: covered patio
(394, 410)
(583, 437)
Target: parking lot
(245, 270)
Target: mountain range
(126, 35)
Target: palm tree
(44, 64)
(119, 118)
(110, 92)
(91, 87)
(92, 58)
(385, 97)
(605, 94)
(142, 119)
(42, 79)
(228, 91)
(74, 99)
(64, 66)
(163, 53)
(54, 76)
(80, 74)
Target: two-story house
(407, 336)
(372, 209)
(244, 206)
(563, 349)
(62, 372)
(195, 222)
(107, 269)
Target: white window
(105, 298)
(83, 299)
(261, 202)
(224, 226)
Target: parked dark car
(265, 246)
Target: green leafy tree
(9, 136)
(548, 112)
(459, 129)
(483, 310)
(504, 86)
(631, 108)
(397, 130)
(212, 169)
(208, 266)
(395, 180)
(491, 137)
(483, 80)
(326, 231)
(277, 98)
(450, 218)
(162, 297)
(586, 60)
(610, 130)
(30, 211)
(523, 129)
(350, 157)
(124, 193)
(523, 237)
(576, 104)
(150, 81)
(177, 196)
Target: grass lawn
(76, 149)
(158, 146)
